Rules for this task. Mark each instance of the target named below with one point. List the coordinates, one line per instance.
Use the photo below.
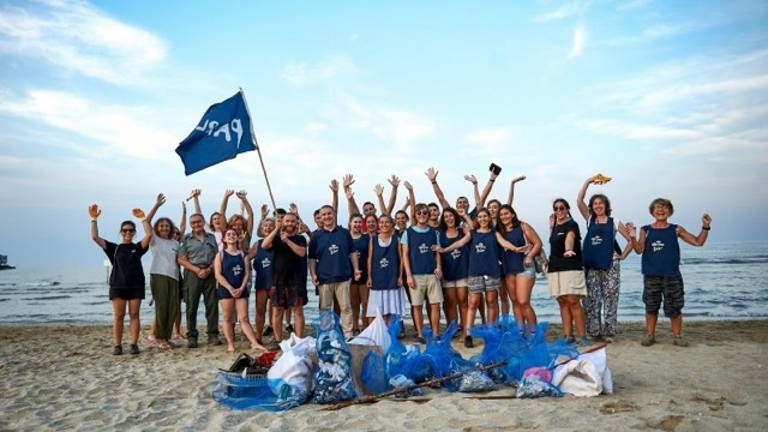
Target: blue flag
(223, 132)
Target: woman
(263, 263)
(233, 276)
(384, 273)
(371, 224)
(126, 281)
(401, 220)
(358, 290)
(484, 272)
(164, 277)
(565, 275)
(521, 244)
(601, 264)
(455, 266)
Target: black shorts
(223, 293)
(288, 296)
(126, 293)
(668, 289)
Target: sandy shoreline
(61, 377)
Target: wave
(55, 297)
(4, 299)
(745, 260)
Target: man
(289, 288)
(423, 270)
(196, 254)
(330, 253)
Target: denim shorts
(481, 284)
(527, 271)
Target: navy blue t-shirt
(661, 256)
(331, 249)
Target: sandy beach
(63, 378)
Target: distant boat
(4, 263)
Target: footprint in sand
(618, 406)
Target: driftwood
(433, 381)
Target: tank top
(597, 249)
(484, 255)
(420, 253)
(512, 262)
(456, 262)
(233, 268)
(360, 245)
(385, 265)
(262, 266)
(661, 256)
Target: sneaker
(648, 340)
(421, 340)
(570, 340)
(679, 341)
(289, 329)
(192, 342)
(134, 349)
(584, 341)
(268, 331)
(609, 339)
(468, 342)
(117, 350)
(214, 340)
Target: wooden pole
(258, 150)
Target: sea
(722, 281)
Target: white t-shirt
(164, 257)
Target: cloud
(132, 131)
(492, 141)
(303, 73)
(77, 37)
(579, 40)
(566, 10)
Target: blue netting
(410, 361)
(333, 379)
(447, 360)
(373, 375)
(238, 392)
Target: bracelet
(93, 219)
(706, 228)
(491, 180)
(434, 182)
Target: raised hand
(706, 220)
(378, 190)
(160, 200)
(228, 193)
(394, 181)
(552, 220)
(408, 186)
(138, 213)
(348, 192)
(471, 178)
(94, 211)
(264, 210)
(348, 180)
(283, 236)
(432, 174)
(241, 194)
(293, 208)
(183, 207)
(518, 179)
(334, 185)
(194, 194)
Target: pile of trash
(327, 369)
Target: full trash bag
(248, 392)
(333, 378)
(408, 361)
(373, 375)
(447, 360)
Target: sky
(669, 98)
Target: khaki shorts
(454, 284)
(569, 282)
(427, 288)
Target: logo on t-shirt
(333, 249)
(383, 263)
(597, 240)
(657, 245)
(423, 248)
(480, 247)
(456, 254)
(236, 270)
(265, 263)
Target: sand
(64, 378)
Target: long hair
(170, 222)
(515, 221)
(605, 200)
(456, 218)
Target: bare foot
(230, 348)
(258, 347)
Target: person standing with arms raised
(333, 263)
(196, 254)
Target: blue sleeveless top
(262, 266)
(661, 256)
(512, 262)
(360, 245)
(385, 265)
(484, 255)
(597, 249)
(233, 268)
(420, 253)
(456, 262)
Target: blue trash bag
(410, 361)
(493, 351)
(447, 360)
(399, 381)
(373, 375)
(533, 386)
(333, 378)
(543, 354)
(242, 393)
(394, 358)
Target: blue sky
(670, 98)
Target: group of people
(481, 261)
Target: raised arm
(511, 197)
(248, 210)
(700, 239)
(379, 191)
(94, 212)
(224, 201)
(296, 248)
(183, 223)
(412, 199)
(394, 181)
(159, 201)
(583, 208)
(432, 176)
(629, 232)
(487, 189)
(195, 196)
(268, 240)
(146, 221)
(335, 200)
(351, 203)
(472, 179)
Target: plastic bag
(476, 381)
(447, 360)
(400, 381)
(373, 375)
(533, 386)
(294, 367)
(333, 378)
(410, 361)
(375, 334)
(238, 392)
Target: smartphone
(494, 168)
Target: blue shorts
(527, 271)
(224, 294)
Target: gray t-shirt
(199, 252)
(164, 257)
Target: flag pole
(258, 149)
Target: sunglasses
(422, 213)
(556, 208)
(127, 230)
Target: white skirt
(390, 302)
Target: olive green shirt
(199, 253)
